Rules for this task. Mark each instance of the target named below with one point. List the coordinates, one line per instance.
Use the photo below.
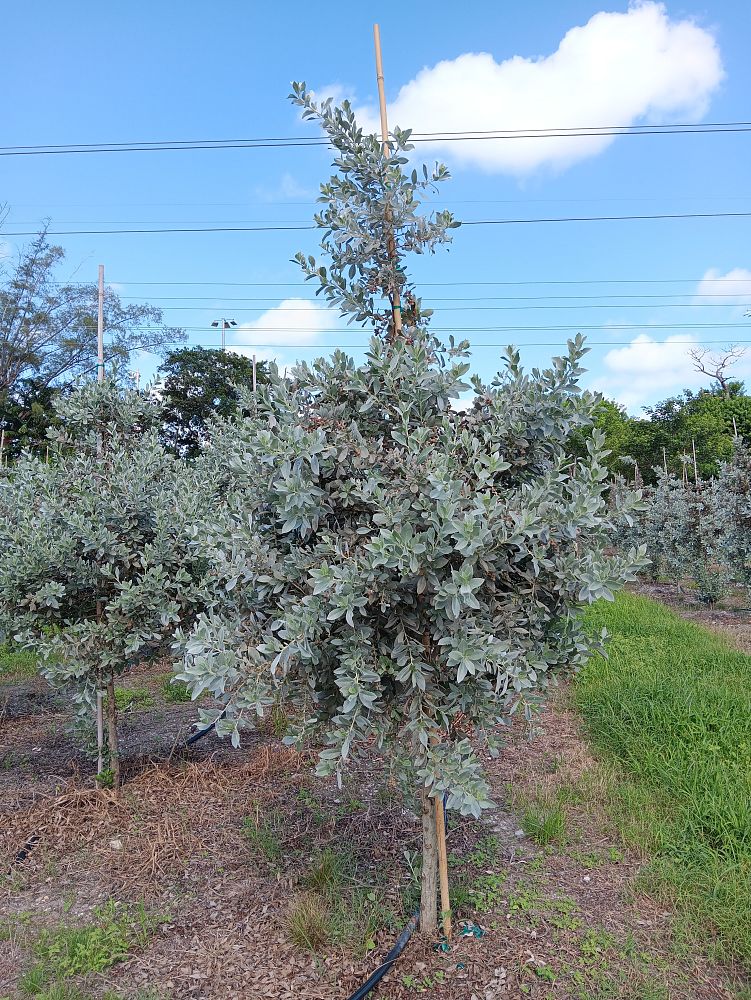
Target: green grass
(173, 691)
(545, 823)
(66, 952)
(339, 905)
(671, 709)
(16, 662)
(133, 699)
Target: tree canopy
(48, 327)
(199, 384)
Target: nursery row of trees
(697, 531)
(403, 576)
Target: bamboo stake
(735, 428)
(396, 306)
(112, 734)
(665, 460)
(443, 869)
(696, 469)
(100, 378)
(2, 445)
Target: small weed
(545, 824)
(545, 973)
(279, 721)
(309, 921)
(309, 800)
(175, 692)
(423, 984)
(330, 870)
(73, 951)
(106, 778)
(262, 831)
(132, 699)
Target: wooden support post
(100, 378)
(396, 306)
(696, 468)
(665, 460)
(114, 746)
(429, 887)
(443, 868)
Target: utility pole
(224, 324)
(100, 328)
(396, 306)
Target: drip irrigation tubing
(372, 981)
(199, 735)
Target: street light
(224, 324)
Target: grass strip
(671, 705)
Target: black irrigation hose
(362, 991)
(25, 850)
(204, 732)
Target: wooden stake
(665, 460)
(443, 869)
(114, 746)
(396, 306)
(735, 428)
(100, 378)
(2, 445)
(429, 886)
(696, 470)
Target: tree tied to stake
(407, 576)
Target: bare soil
(555, 921)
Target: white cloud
(734, 287)
(292, 322)
(648, 369)
(617, 69)
(288, 189)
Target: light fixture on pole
(224, 324)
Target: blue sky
(80, 72)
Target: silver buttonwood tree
(97, 568)
(406, 575)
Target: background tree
(27, 413)
(405, 575)
(717, 364)
(48, 330)
(199, 384)
(96, 545)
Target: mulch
(174, 840)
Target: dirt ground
(218, 846)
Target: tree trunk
(114, 746)
(429, 887)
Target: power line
(644, 327)
(475, 345)
(467, 308)
(434, 284)
(300, 228)
(482, 298)
(172, 145)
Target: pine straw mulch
(556, 924)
